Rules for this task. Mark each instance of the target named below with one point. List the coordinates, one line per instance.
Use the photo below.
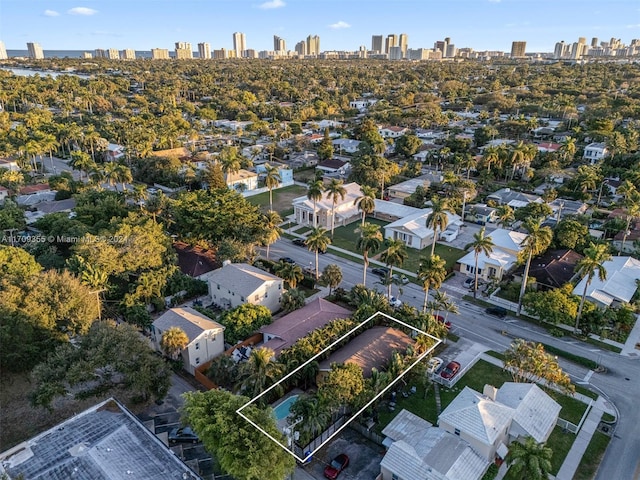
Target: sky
(341, 24)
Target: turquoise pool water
(282, 411)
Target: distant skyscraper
(183, 50)
(301, 48)
(128, 54)
(376, 43)
(87, 55)
(395, 53)
(452, 51)
(113, 54)
(220, 54)
(159, 54)
(239, 44)
(518, 49)
(391, 41)
(404, 43)
(441, 46)
(35, 50)
(3, 51)
(279, 45)
(594, 42)
(100, 53)
(204, 50)
(313, 45)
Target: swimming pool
(281, 411)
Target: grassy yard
(592, 457)
(346, 237)
(282, 199)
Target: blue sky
(341, 24)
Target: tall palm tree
(80, 161)
(537, 241)
(432, 272)
(230, 162)
(366, 203)
(124, 176)
(491, 156)
(139, 194)
(394, 256)
(481, 244)
(112, 173)
(369, 241)
(335, 190)
(314, 193)
(594, 257)
(506, 215)
(271, 180)
(318, 241)
(259, 372)
(568, 148)
(438, 219)
(530, 459)
(272, 230)
(173, 341)
(289, 272)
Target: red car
(337, 465)
(441, 319)
(450, 370)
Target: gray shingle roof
(241, 278)
(192, 322)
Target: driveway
(364, 457)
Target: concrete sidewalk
(629, 349)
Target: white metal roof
(620, 284)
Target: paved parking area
(364, 457)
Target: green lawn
(592, 457)
(282, 199)
(346, 237)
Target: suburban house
(194, 260)
(546, 147)
(371, 349)
(346, 211)
(322, 124)
(404, 189)
(45, 208)
(630, 240)
(552, 270)
(506, 196)
(413, 230)
(303, 159)
(33, 194)
(238, 283)
(334, 166)
(506, 246)
(286, 174)
(206, 337)
(619, 286)
(345, 145)
(392, 132)
(489, 421)
(563, 207)
(114, 152)
(594, 152)
(417, 450)
(362, 104)
(9, 164)
(105, 442)
(480, 214)
(287, 330)
(242, 180)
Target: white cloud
(272, 4)
(637, 25)
(51, 13)
(82, 11)
(339, 25)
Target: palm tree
(80, 161)
(369, 241)
(480, 244)
(491, 156)
(140, 194)
(317, 241)
(271, 180)
(594, 257)
(393, 256)
(271, 229)
(366, 203)
(124, 176)
(112, 173)
(506, 215)
(537, 241)
(289, 272)
(259, 372)
(156, 204)
(335, 190)
(568, 148)
(438, 219)
(432, 273)
(230, 162)
(173, 341)
(530, 459)
(314, 193)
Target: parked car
(394, 302)
(434, 364)
(440, 318)
(450, 370)
(287, 260)
(183, 434)
(499, 312)
(400, 279)
(336, 466)
(469, 283)
(299, 242)
(382, 272)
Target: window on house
(266, 294)
(395, 477)
(242, 299)
(197, 360)
(256, 298)
(218, 286)
(457, 431)
(197, 346)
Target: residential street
(620, 382)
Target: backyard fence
(572, 427)
(320, 439)
(367, 433)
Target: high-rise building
(441, 46)
(113, 54)
(391, 41)
(301, 48)
(128, 54)
(403, 43)
(204, 50)
(159, 54)
(313, 45)
(279, 45)
(594, 42)
(239, 44)
(3, 51)
(560, 50)
(87, 55)
(100, 53)
(250, 53)
(452, 51)
(518, 49)
(376, 43)
(395, 53)
(35, 50)
(184, 50)
(220, 54)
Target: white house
(392, 131)
(362, 104)
(404, 189)
(506, 246)
(238, 283)
(515, 199)
(346, 211)
(114, 152)
(619, 286)
(345, 145)
(413, 230)
(335, 166)
(594, 152)
(242, 180)
(206, 337)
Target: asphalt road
(620, 384)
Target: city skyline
(478, 24)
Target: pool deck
(282, 424)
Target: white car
(434, 364)
(400, 279)
(469, 283)
(394, 302)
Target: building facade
(239, 44)
(518, 49)
(183, 50)
(35, 51)
(159, 54)
(204, 50)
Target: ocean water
(27, 72)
